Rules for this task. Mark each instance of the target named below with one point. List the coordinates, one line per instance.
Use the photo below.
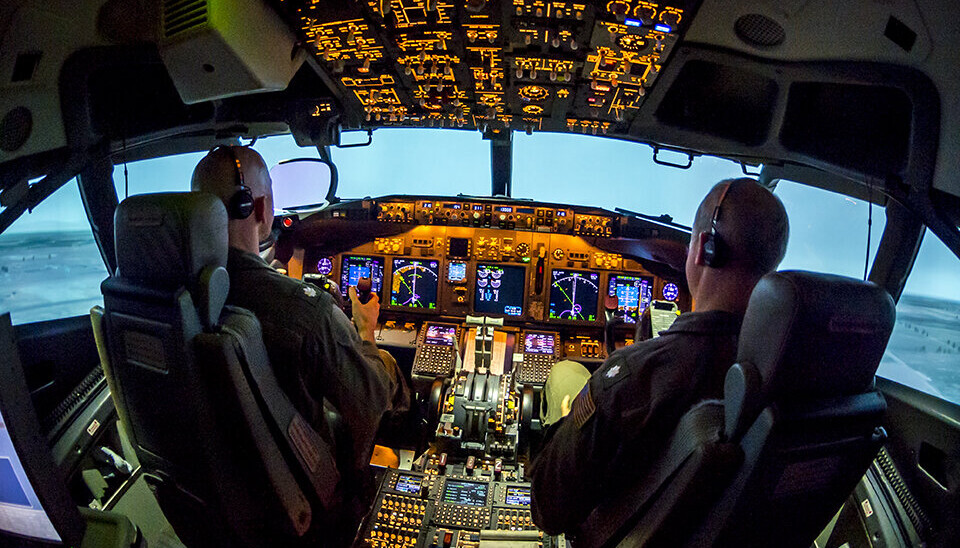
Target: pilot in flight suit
(629, 407)
(315, 351)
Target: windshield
(608, 173)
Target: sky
(828, 230)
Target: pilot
(625, 411)
(314, 350)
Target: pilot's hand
(365, 315)
(565, 406)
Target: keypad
(398, 521)
(514, 519)
(433, 360)
(456, 515)
(535, 369)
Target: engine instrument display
(538, 343)
(574, 295)
(355, 267)
(633, 294)
(500, 289)
(414, 283)
(465, 492)
(441, 335)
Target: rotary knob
(523, 249)
(558, 254)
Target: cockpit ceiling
(530, 65)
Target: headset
(240, 204)
(715, 251)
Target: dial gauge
(325, 266)
(671, 291)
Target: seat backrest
(802, 404)
(231, 461)
(772, 462)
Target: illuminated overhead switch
(527, 39)
(642, 91)
(553, 75)
(338, 66)
(555, 42)
(366, 65)
(533, 73)
(431, 5)
(408, 69)
(519, 72)
(579, 15)
(447, 70)
(385, 7)
(574, 45)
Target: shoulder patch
(583, 407)
(309, 291)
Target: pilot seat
(800, 422)
(230, 460)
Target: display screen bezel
(476, 288)
(549, 296)
(476, 503)
(388, 295)
(340, 275)
(650, 279)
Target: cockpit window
(50, 266)
(924, 349)
(415, 161)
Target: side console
(460, 507)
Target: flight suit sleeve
(568, 474)
(351, 375)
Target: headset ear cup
(241, 203)
(713, 250)
(709, 249)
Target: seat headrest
(815, 335)
(167, 239)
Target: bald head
(219, 174)
(752, 223)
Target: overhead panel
(530, 65)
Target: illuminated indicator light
(635, 23)
(287, 222)
(662, 28)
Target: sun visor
(221, 48)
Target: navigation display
(414, 283)
(440, 335)
(538, 343)
(354, 267)
(500, 289)
(574, 295)
(633, 294)
(408, 484)
(465, 492)
(518, 496)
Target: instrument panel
(520, 276)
